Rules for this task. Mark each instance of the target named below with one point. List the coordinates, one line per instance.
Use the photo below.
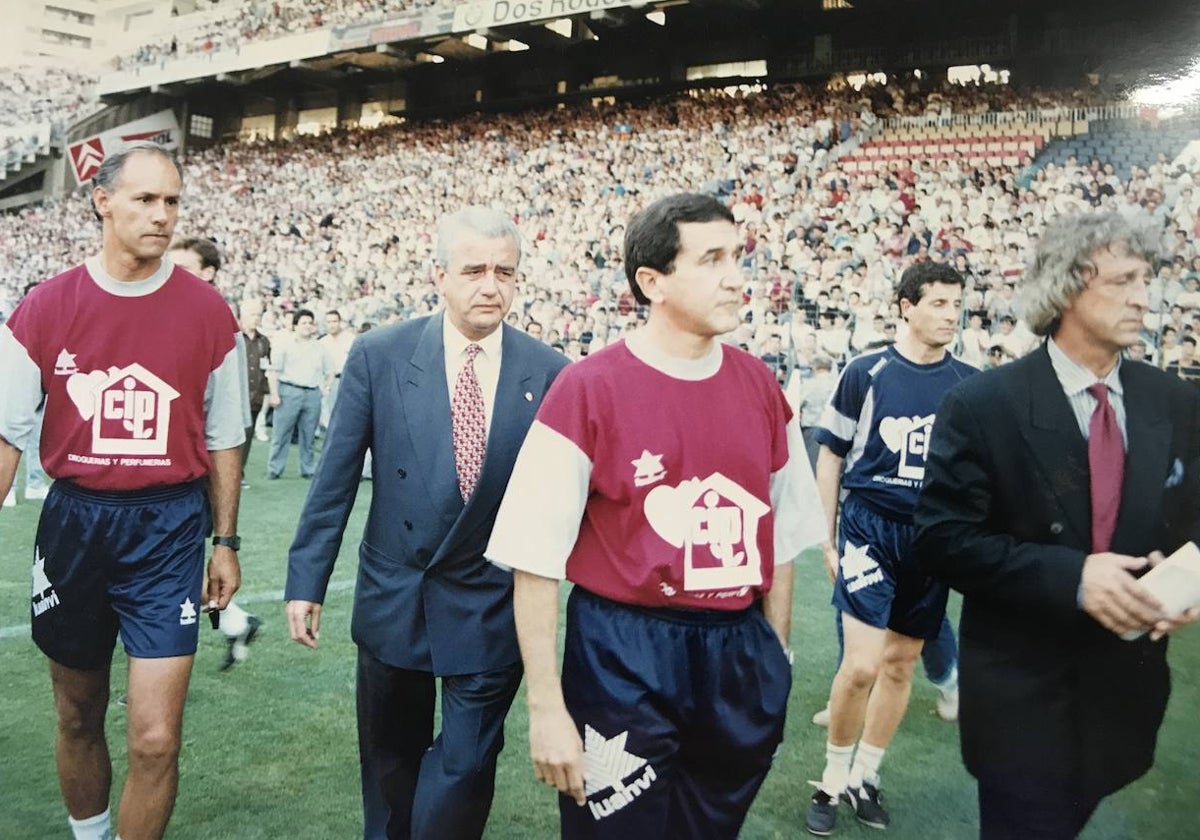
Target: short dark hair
(335, 313)
(1188, 339)
(205, 249)
(300, 313)
(917, 277)
(652, 238)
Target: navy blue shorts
(680, 712)
(107, 561)
(878, 582)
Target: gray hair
(479, 221)
(1056, 274)
(108, 176)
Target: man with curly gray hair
(1051, 484)
(1065, 259)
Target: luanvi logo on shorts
(607, 765)
(43, 596)
(858, 569)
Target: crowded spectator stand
(343, 220)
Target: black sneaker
(229, 659)
(867, 802)
(254, 623)
(822, 814)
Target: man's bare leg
(156, 694)
(889, 698)
(848, 699)
(80, 749)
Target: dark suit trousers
(1005, 815)
(414, 786)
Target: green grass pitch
(269, 747)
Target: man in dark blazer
(443, 403)
(1051, 485)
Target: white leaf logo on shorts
(607, 764)
(858, 569)
(43, 595)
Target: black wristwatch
(234, 542)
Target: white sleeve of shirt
(244, 378)
(538, 521)
(799, 518)
(20, 390)
(227, 401)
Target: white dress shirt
(487, 363)
(1075, 380)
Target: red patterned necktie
(1106, 462)
(470, 433)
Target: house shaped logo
(715, 521)
(909, 436)
(131, 414)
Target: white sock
(234, 621)
(98, 827)
(837, 768)
(950, 684)
(866, 765)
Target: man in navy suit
(443, 403)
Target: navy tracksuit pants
(680, 711)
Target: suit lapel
(512, 414)
(1059, 450)
(427, 411)
(1146, 458)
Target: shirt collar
(1075, 378)
(128, 288)
(455, 343)
(640, 347)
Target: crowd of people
(342, 221)
(711, 217)
(226, 25)
(38, 104)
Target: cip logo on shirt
(130, 409)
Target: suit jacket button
(407, 525)
(400, 472)
(1056, 528)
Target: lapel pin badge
(528, 397)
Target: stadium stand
(37, 105)
(228, 24)
(343, 220)
(1125, 143)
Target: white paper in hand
(1175, 582)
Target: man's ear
(100, 202)
(649, 281)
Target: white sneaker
(947, 704)
(821, 718)
(36, 493)
(11, 499)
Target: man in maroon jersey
(138, 363)
(666, 477)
